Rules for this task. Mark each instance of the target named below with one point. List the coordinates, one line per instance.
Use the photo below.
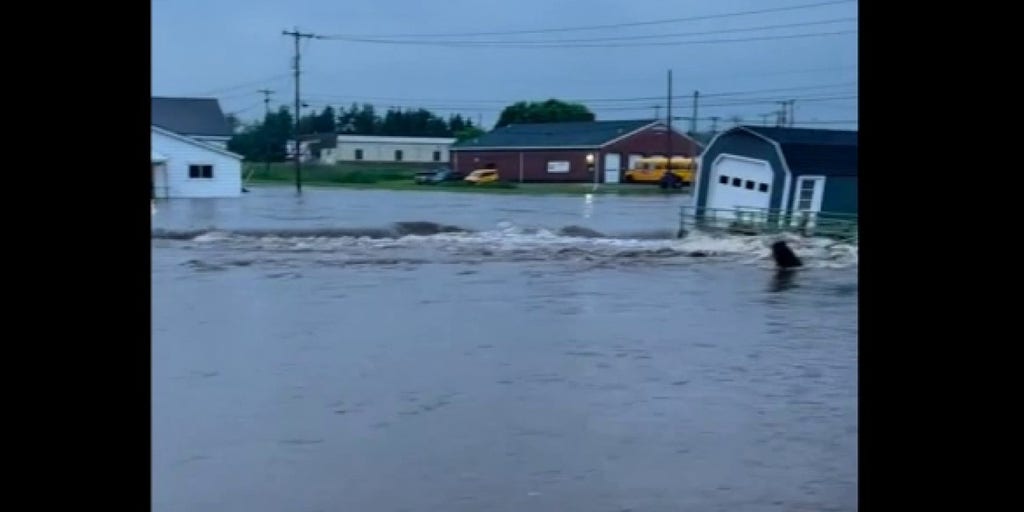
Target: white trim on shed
(188, 168)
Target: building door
(612, 167)
(810, 191)
(159, 181)
(738, 182)
(633, 159)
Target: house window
(736, 182)
(437, 156)
(200, 171)
(749, 185)
(398, 155)
(762, 187)
(359, 154)
(723, 179)
(806, 194)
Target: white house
(378, 148)
(187, 150)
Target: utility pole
(693, 121)
(668, 132)
(298, 113)
(780, 116)
(714, 124)
(266, 135)
(657, 112)
(792, 115)
(764, 119)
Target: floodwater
(407, 351)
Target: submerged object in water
(784, 256)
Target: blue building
(789, 170)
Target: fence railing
(758, 221)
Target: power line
(615, 38)
(264, 81)
(516, 45)
(609, 26)
(412, 105)
(590, 101)
(636, 109)
(779, 89)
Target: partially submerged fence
(762, 221)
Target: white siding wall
(220, 142)
(384, 152)
(227, 170)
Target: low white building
(188, 137)
(379, 148)
(186, 167)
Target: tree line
(268, 139)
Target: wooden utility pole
(693, 121)
(298, 114)
(266, 136)
(668, 132)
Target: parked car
(481, 176)
(435, 176)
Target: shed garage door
(739, 182)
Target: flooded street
(407, 351)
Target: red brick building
(569, 152)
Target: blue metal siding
(840, 194)
(741, 143)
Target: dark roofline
(193, 116)
(648, 124)
(765, 131)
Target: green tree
(456, 124)
(550, 111)
(470, 132)
(365, 121)
(265, 140)
(325, 122)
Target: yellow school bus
(652, 169)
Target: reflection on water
(783, 280)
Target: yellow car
(481, 176)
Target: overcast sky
(229, 49)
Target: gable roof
(584, 134)
(814, 151)
(190, 116)
(194, 142)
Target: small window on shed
(749, 185)
(736, 182)
(200, 171)
(723, 179)
(398, 155)
(762, 187)
(359, 154)
(437, 156)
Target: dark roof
(815, 151)
(703, 138)
(190, 116)
(553, 135)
